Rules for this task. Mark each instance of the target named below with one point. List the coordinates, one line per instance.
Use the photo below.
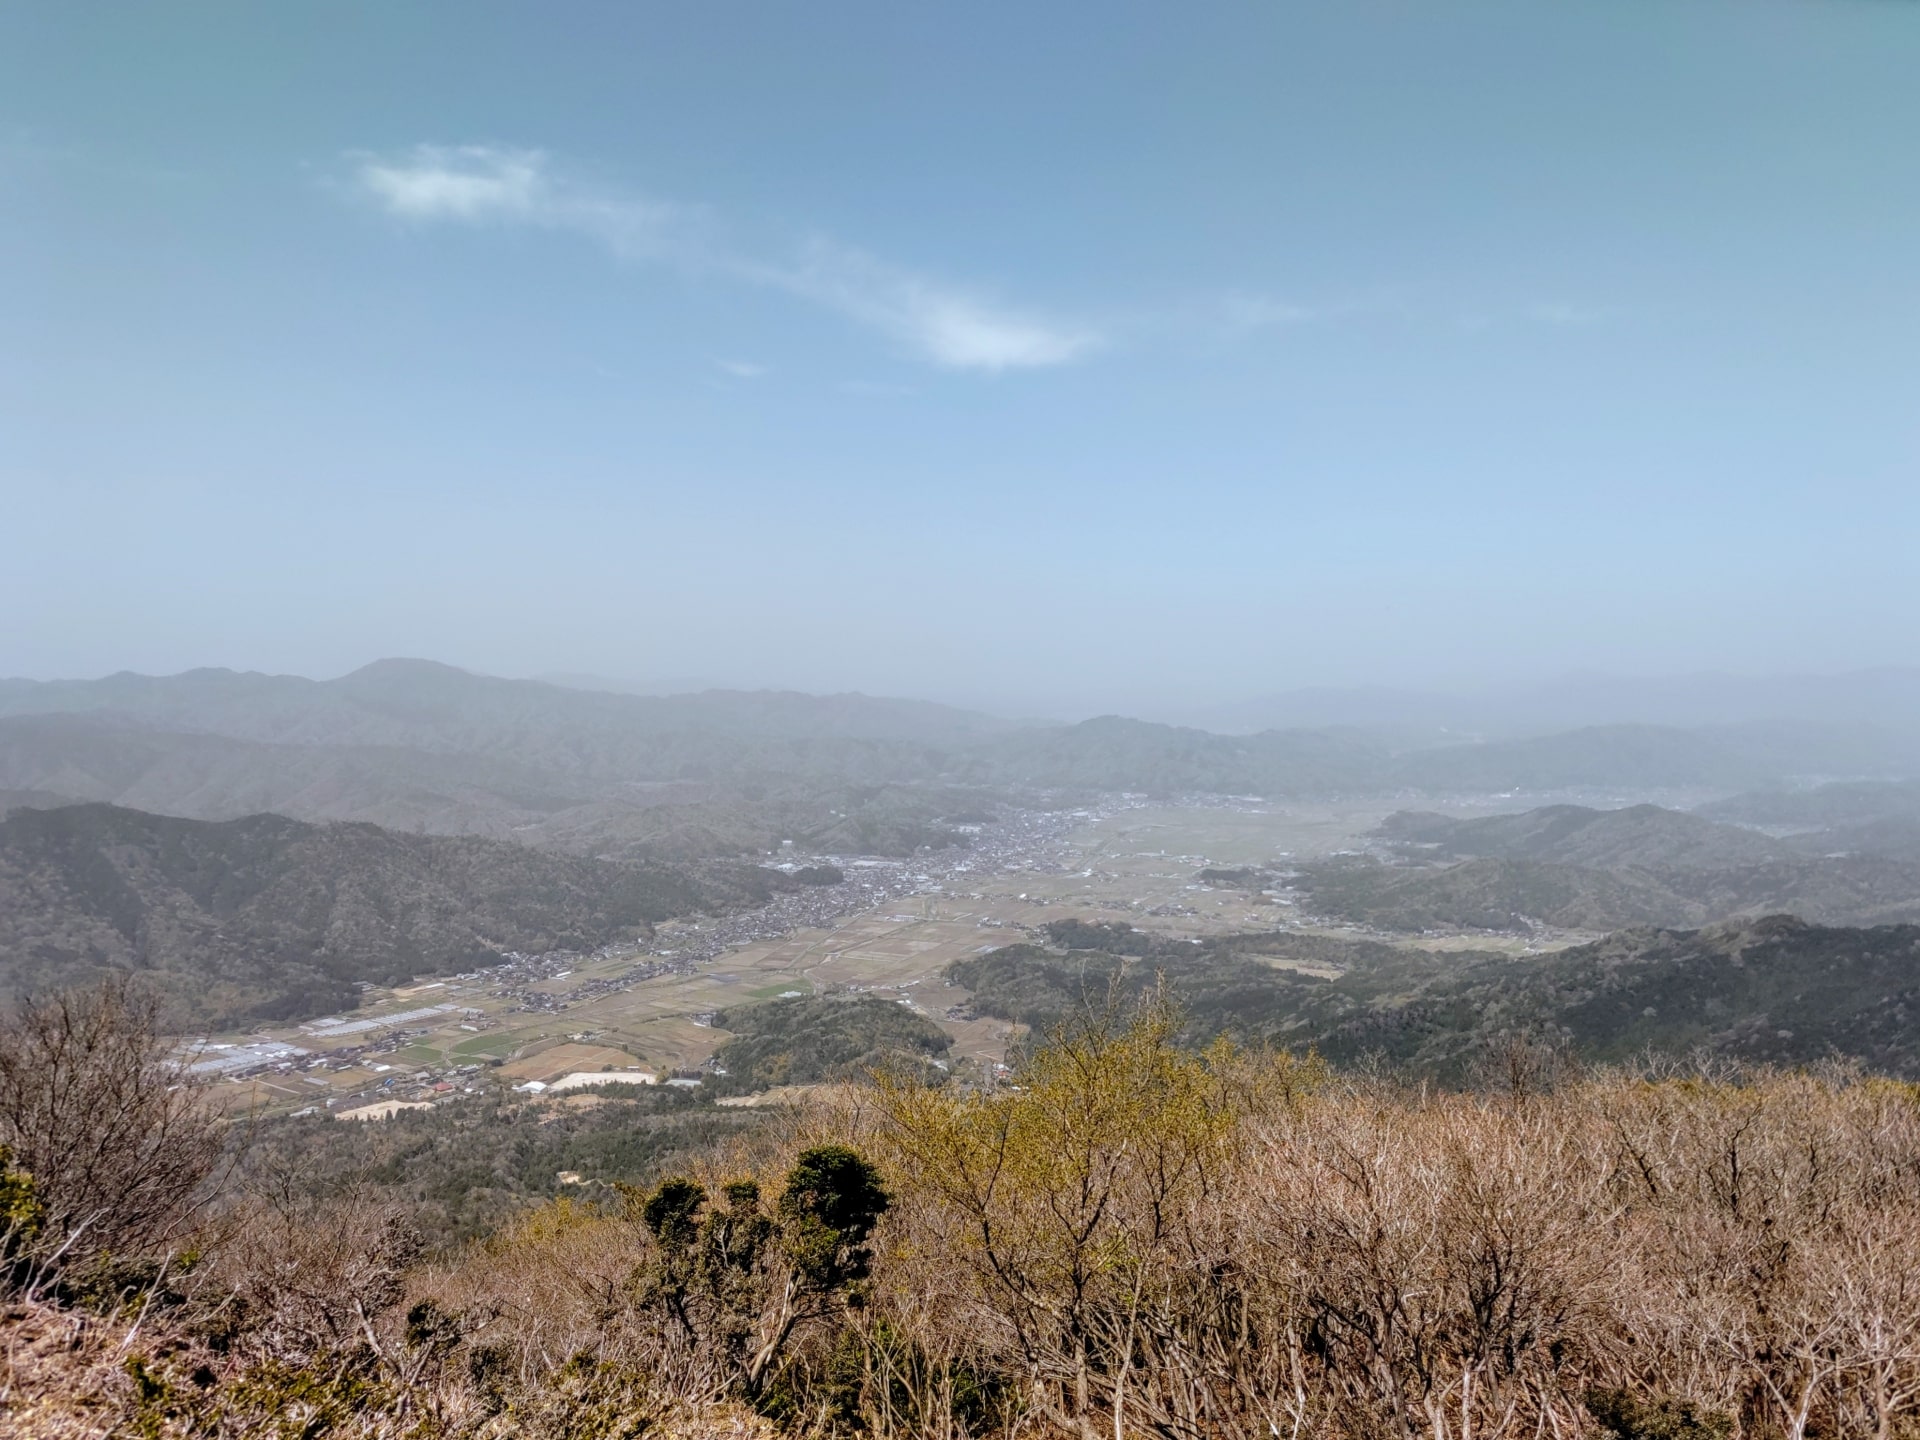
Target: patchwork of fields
(1135, 863)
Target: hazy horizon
(1566, 699)
(1046, 363)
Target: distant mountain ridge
(1886, 697)
(425, 704)
(414, 744)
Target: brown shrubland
(119, 1147)
(1134, 1240)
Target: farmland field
(1137, 864)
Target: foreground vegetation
(1135, 1239)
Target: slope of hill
(716, 807)
(1892, 837)
(1768, 990)
(807, 1039)
(269, 918)
(1572, 867)
(1492, 894)
(1522, 895)
(1819, 807)
(1772, 990)
(12, 800)
(1640, 835)
(1277, 988)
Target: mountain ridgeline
(415, 745)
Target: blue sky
(1048, 357)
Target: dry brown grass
(1135, 1241)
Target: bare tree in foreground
(115, 1136)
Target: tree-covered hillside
(1773, 990)
(807, 1039)
(269, 918)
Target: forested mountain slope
(1773, 990)
(269, 918)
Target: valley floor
(891, 930)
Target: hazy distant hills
(1878, 706)
(1571, 867)
(1822, 806)
(1771, 990)
(270, 918)
(421, 704)
(413, 745)
(1647, 836)
(1111, 753)
(1858, 818)
(53, 759)
(1118, 754)
(12, 800)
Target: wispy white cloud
(742, 369)
(946, 325)
(942, 323)
(492, 185)
(468, 182)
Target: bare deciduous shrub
(305, 1281)
(1736, 1255)
(1130, 1240)
(115, 1137)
